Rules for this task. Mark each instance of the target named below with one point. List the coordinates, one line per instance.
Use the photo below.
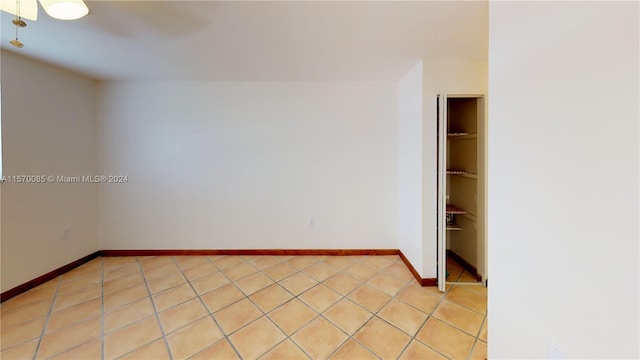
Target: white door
(442, 191)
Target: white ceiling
(255, 41)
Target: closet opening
(461, 190)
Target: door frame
(441, 190)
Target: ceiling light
(65, 9)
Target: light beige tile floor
(457, 273)
(228, 307)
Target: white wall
(245, 165)
(453, 77)
(48, 127)
(410, 166)
(563, 179)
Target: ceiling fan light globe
(65, 9)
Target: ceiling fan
(28, 9)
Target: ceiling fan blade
(169, 18)
(105, 18)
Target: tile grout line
(287, 337)
(297, 297)
(57, 293)
(254, 304)
(374, 314)
(248, 297)
(12, 347)
(225, 336)
(131, 323)
(486, 316)
(59, 284)
(120, 307)
(265, 314)
(429, 316)
(345, 296)
(452, 325)
(464, 307)
(320, 314)
(462, 285)
(477, 338)
(72, 323)
(283, 341)
(298, 270)
(459, 329)
(46, 322)
(155, 311)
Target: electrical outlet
(312, 221)
(66, 233)
(555, 352)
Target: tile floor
(228, 307)
(457, 273)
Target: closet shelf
(454, 228)
(462, 173)
(452, 209)
(471, 217)
(461, 136)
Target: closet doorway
(461, 190)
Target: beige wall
(410, 166)
(244, 165)
(48, 128)
(563, 180)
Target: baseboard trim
(202, 252)
(422, 281)
(465, 264)
(46, 277)
(429, 282)
(253, 252)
